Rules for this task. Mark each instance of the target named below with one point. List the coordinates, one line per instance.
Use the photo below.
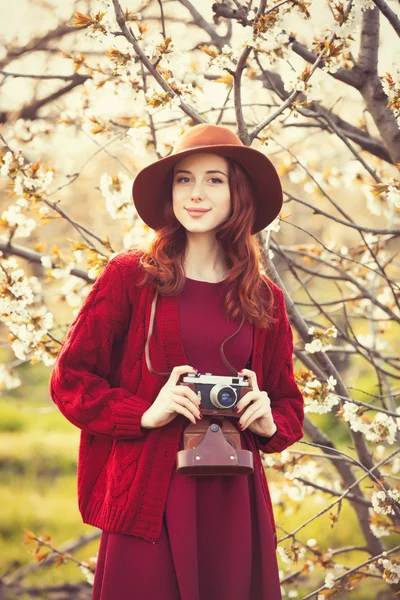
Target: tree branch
(201, 22)
(127, 32)
(35, 257)
(371, 89)
(30, 111)
(350, 77)
(389, 14)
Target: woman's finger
(246, 400)
(248, 416)
(252, 376)
(184, 401)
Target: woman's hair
(248, 291)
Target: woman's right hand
(173, 399)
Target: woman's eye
(180, 179)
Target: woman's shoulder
(275, 289)
(129, 267)
(127, 260)
(278, 304)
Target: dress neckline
(205, 282)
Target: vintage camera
(219, 394)
(212, 446)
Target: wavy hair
(247, 290)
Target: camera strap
(149, 334)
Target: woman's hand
(172, 400)
(258, 416)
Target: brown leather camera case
(212, 447)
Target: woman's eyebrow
(213, 171)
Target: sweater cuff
(279, 440)
(128, 417)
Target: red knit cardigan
(101, 384)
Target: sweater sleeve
(287, 403)
(79, 381)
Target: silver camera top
(208, 378)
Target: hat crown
(206, 134)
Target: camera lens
(223, 396)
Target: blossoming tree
(314, 84)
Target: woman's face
(201, 183)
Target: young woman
(153, 316)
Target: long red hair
(248, 291)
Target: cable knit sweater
(101, 384)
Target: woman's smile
(197, 212)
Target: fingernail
(240, 426)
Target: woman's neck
(204, 259)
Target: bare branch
(30, 111)
(201, 22)
(389, 14)
(68, 547)
(37, 43)
(75, 76)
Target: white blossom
(8, 379)
(367, 5)
(23, 225)
(382, 502)
(286, 555)
(391, 573)
(274, 225)
(138, 138)
(373, 342)
(87, 571)
(382, 429)
(46, 262)
(117, 192)
(5, 167)
(331, 382)
(329, 580)
(379, 531)
(393, 194)
(320, 343)
(350, 414)
(314, 346)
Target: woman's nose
(197, 191)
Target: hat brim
(148, 186)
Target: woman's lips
(197, 213)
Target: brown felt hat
(150, 185)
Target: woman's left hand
(258, 417)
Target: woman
(167, 535)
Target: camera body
(219, 394)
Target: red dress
(217, 539)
